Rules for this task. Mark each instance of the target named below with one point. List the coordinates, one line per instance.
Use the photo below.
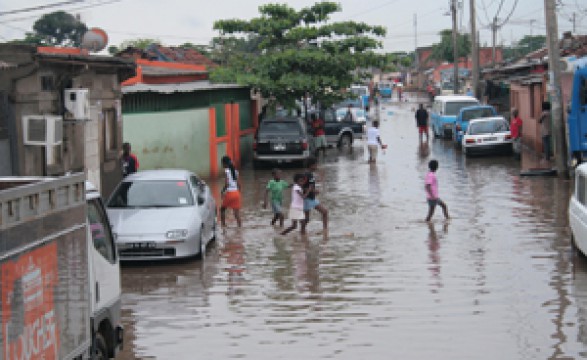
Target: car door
(205, 207)
(331, 126)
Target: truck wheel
(345, 141)
(100, 351)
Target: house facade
(39, 136)
(175, 118)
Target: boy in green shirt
(276, 186)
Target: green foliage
(525, 46)
(443, 51)
(57, 29)
(296, 53)
(142, 43)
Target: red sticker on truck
(29, 325)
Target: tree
(443, 51)
(525, 46)
(299, 53)
(57, 29)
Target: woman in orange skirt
(231, 195)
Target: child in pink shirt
(432, 191)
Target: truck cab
(577, 114)
(105, 290)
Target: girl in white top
(231, 195)
(296, 209)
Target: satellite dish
(94, 40)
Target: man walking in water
(422, 121)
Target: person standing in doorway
(545, 129)
(516, 131)
(374, 141)
(310, 194)
(231, 196)
(128, 161)
(431, 187)
(422, 122)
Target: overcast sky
(174, 22)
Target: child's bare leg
(430, 212)
(281, 219)
(324, 212)
(294, 224)
(237, 215)
(444, 208)
(305, 221)
(275, 218)
(223, 217)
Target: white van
(578, 209)
(444, 113)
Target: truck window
(99, 227)
(580, 190)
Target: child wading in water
(296, 209)
(432, 191)
(276, 186)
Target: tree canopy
(526, 45)
(298, 52)
(58, 29)
(443, 51)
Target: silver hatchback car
(162, 214)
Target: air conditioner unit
(42, 130)
(77, 104)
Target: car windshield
(477, 113)
(488, 127)
(453, 107)
(151, 194)
(280, 127)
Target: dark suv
(282, 139)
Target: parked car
(487, 135)
(359, 115)
(444, 113)
(467, 114)
(385, 90)
(162, 214)
(578, 210)
(282, 139)
(362, 92)
(341, 133)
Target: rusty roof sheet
(180, 87)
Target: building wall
(171, 139)
(528, 100)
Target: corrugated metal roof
(181, 87)
(161, 71)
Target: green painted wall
(170, 139)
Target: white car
(578, 210)
(487, 135)
(162, 214)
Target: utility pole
(558, 126)
(455, 52)
(493, 39)
(532, 21)
(416, 39)
(574, 21)
(474, 49)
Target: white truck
(59, 270)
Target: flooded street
(498, 281)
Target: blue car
(467, 114)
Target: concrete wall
(178, 139)
(528, 100)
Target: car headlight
(177, 234)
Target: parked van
(578, 209)
(444, 113)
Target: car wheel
(100, 351)
(465, 151)
(345, 141)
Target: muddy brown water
(498, 281)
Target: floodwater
(500, 280)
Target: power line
(40, 7)
(71, 9)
